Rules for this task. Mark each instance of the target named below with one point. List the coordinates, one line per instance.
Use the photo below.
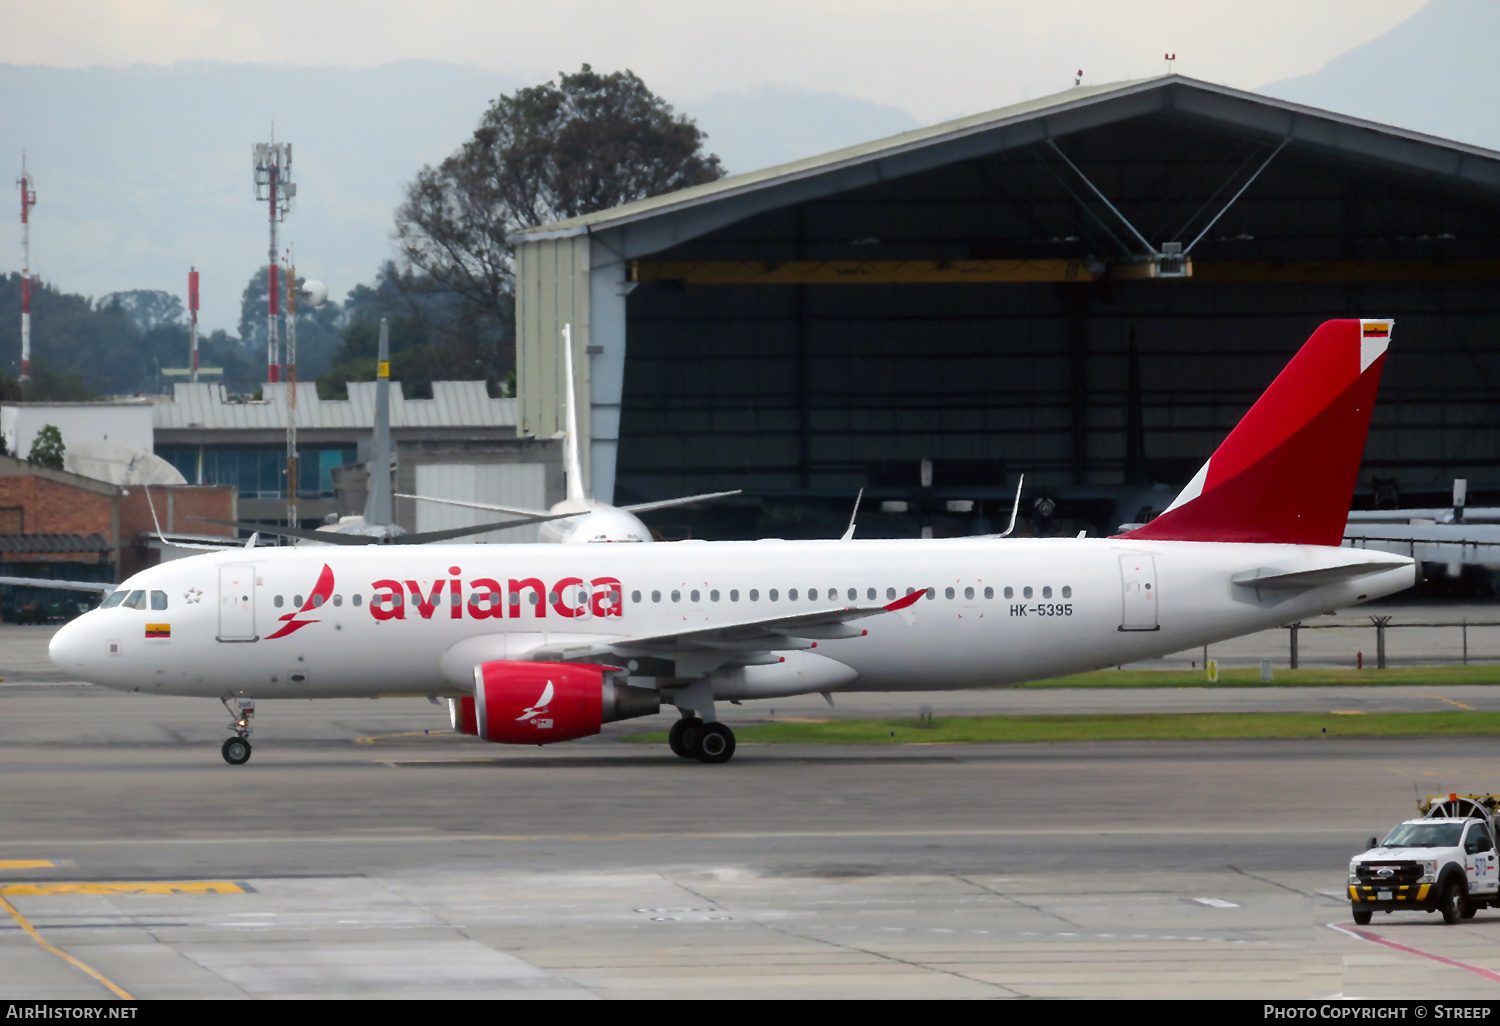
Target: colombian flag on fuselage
(158, 630)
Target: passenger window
(694, 596)
(635, 596)
(947, 593)
(137, 600)
(734, 595)
(791, 595)
(276, 601)
(989, 593)
(772, 595)
(359, 600)
(158, 600)
(932, 593)
(298, 600)
(870, 595)
(754, 595)
(1026, 591)
(114, 599)
(854, 594)
(713, 596)
(317, 601)
(656, 596)
(553, 597)
(968, 593)
(1010, 593)
(676, 596)
(338, 600)
(812, 595)
(1047, 591)
(1067, 592)
(531, 596)
(890, 593)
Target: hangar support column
(608, 288)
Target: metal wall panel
(552, 282)
(518, 485)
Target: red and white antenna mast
(193, 321)
(273, 183)
(28, 200)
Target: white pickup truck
(1443, 862)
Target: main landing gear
(236, 750)
(691, 738)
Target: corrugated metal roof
(453, 404)
(849, 156)
(52, 543)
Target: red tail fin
(1286, 473)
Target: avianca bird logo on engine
(321, 593)
(539, 706)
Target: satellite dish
(313, 293)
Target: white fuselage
(1020, 610)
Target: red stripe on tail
(1286, 473)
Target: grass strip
(1282, 678)
(1115, 727)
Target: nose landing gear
(236, 750)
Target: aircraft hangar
(1088, 289)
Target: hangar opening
(1088, 289)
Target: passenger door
(1138, 583)
(237, 603)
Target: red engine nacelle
(521, 703)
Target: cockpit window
(137, 600)
(158, 600)
(114, 599)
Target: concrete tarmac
(356, 855)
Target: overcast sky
(934, 58)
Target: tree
(147, 309)
(546, 152)
(47, 448)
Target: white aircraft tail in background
(589, 520)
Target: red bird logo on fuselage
(320, 594)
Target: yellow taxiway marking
(30, 931)
(1440, 698)
(1346, 712)
(375, 739)
(24, 864)
(34, 890)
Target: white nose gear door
(1138, 582)
(237, 603)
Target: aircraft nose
(66, 646)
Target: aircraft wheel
(1362, 916)
(236, 751)
(677, 737)
(714, 742)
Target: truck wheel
(1454, 902)
(1469, 909)
(1362, 916)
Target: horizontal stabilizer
(1290, 580)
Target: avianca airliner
(534, 644)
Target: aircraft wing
(746, 638)
(512, 510)
(1441, 515)
(43, 582)
(1477, 544)
(643, 507)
